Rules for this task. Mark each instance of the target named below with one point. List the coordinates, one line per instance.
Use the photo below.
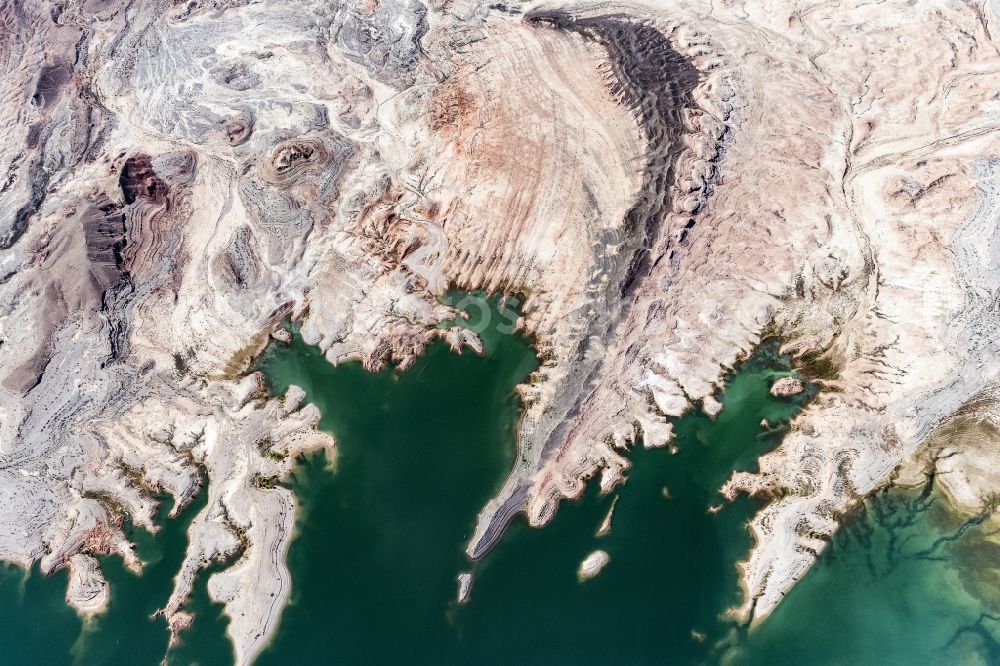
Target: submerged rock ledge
(670, 182)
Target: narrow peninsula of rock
(666, 183)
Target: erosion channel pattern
(662, 185)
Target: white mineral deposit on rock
(593, 564)
(605, 527)
(669, 181)
(464, 586)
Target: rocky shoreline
(668, 185)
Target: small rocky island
(667, 184)
(593, 564)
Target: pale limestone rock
(464, 586)
(829, 172)
(282, 335)
(593, 564)
(605, 527)
(87, 591)
(711, 406)
(786, 387)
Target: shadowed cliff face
(654, 82)
(664, 184)
(104, 234)
(138, 180)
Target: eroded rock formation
(668, 182)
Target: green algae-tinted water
(37, 627)
(905, 581)
(127, 632)
(381, 537)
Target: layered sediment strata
(667, 184)
(901, 308)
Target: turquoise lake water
(381, 536)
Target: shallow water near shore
(381, 539)
(382, 530)
(37, 627)
(905, 581)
